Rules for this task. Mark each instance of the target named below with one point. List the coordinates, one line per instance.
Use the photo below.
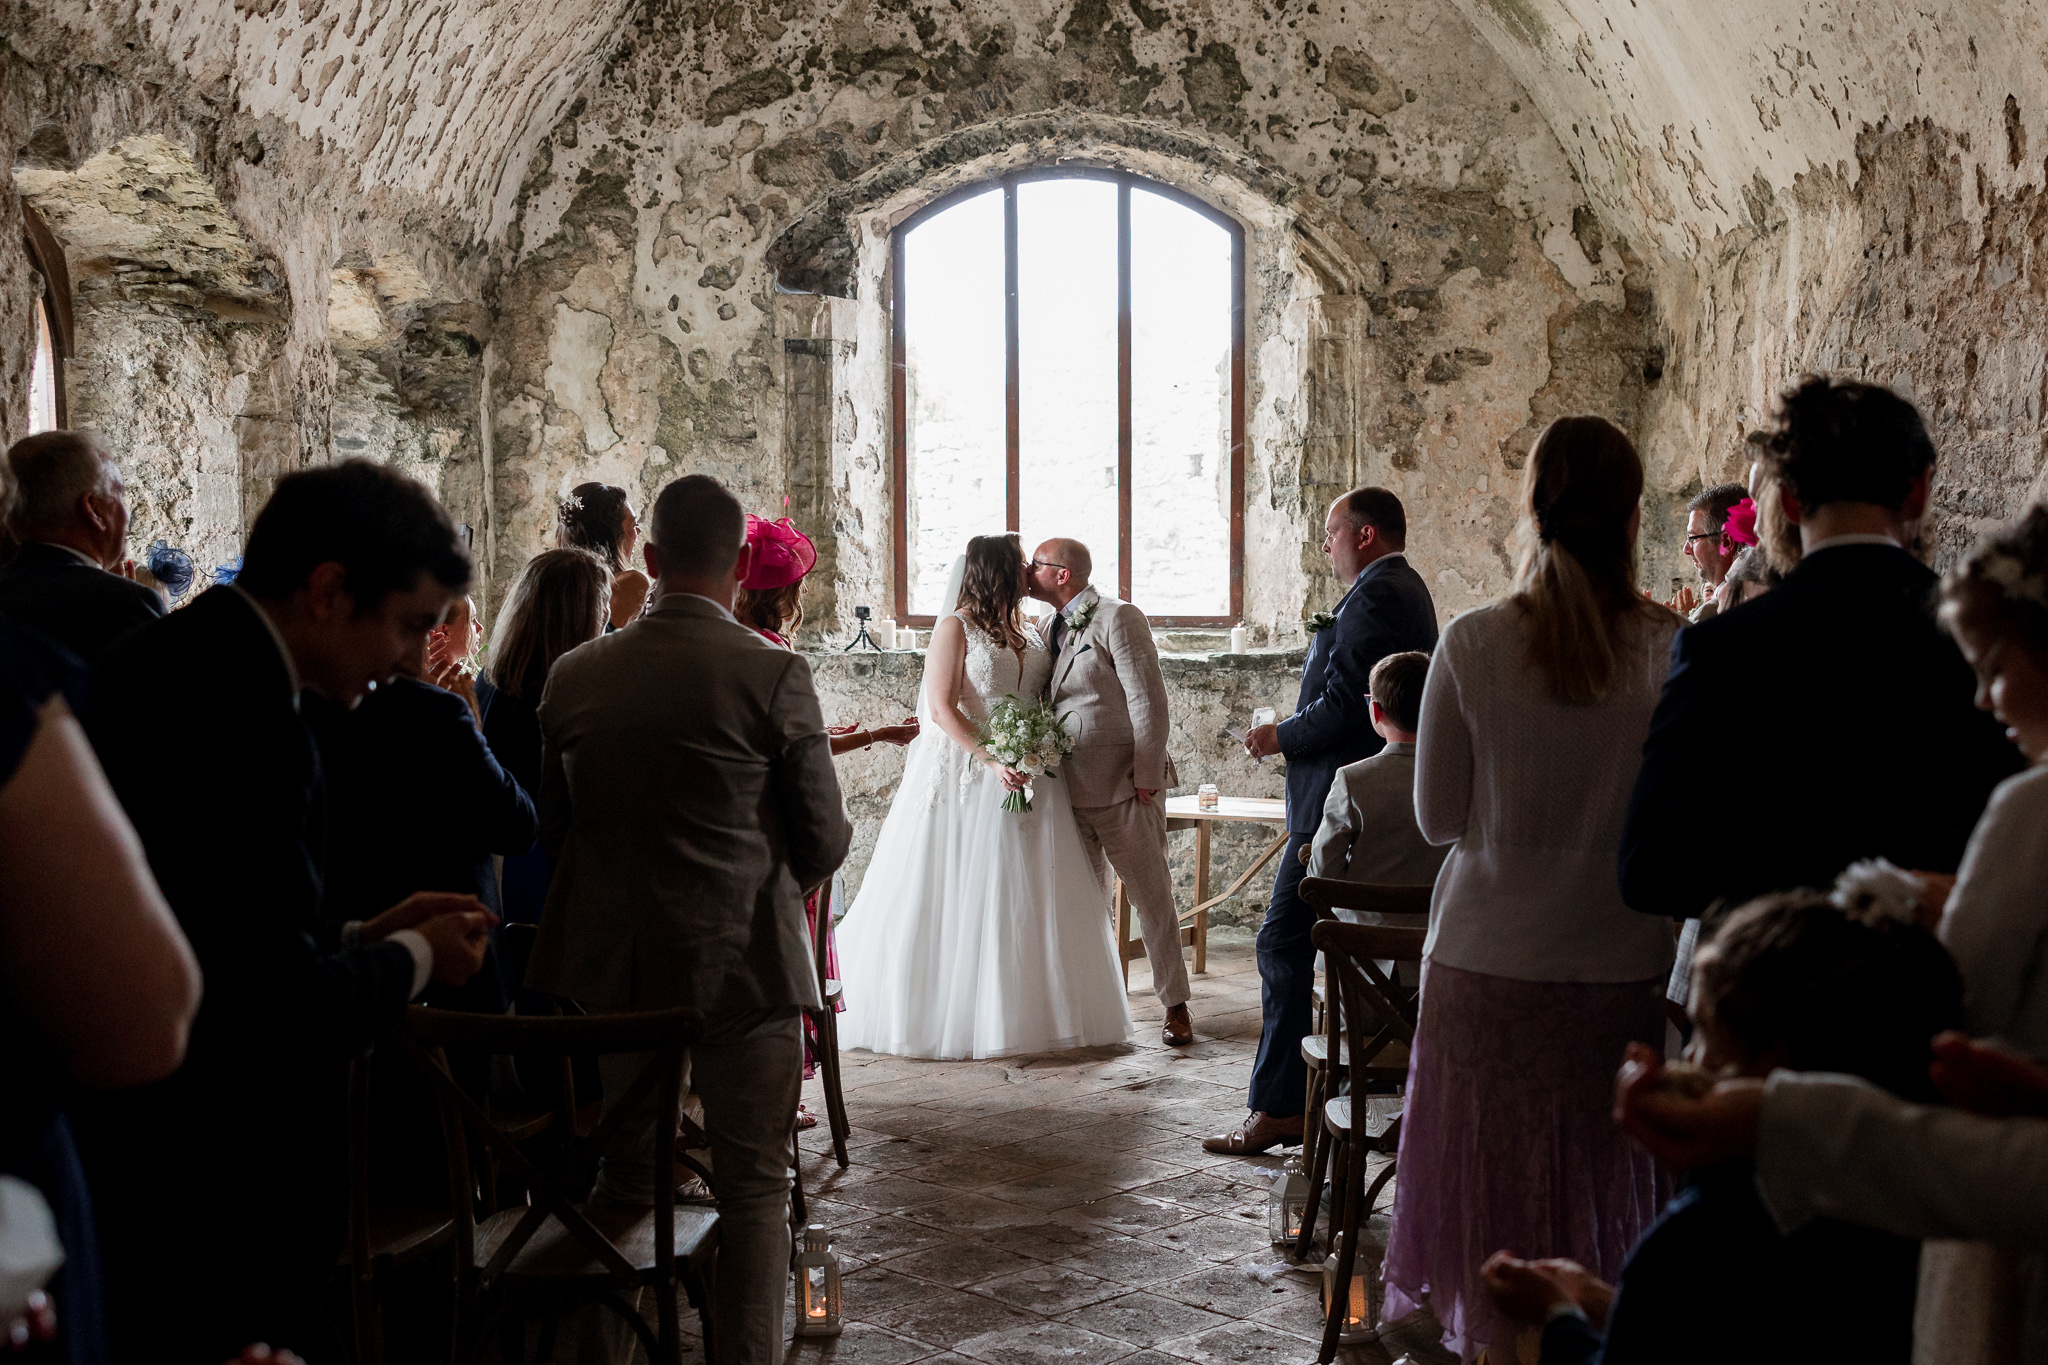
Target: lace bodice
(995, 671)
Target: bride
(978, 932)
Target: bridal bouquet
(1028, 736)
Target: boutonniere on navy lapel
(1078, 619)
(1320, 622)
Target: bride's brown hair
(992, 588)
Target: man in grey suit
(1369, 832)
(688, 797)
(1105, 674)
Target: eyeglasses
(1046, 564)
(1704, 535)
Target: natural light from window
(42, 379)
(1182, 282)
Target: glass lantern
(1356, 1327)
(819, 1308)
(1287, 1205)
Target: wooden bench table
(1184, 812)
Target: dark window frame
(46, 255)
(899, 376)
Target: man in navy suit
(72, 521)
(1386, 611)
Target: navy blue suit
(1387, 611)
(79, 605)
(1820, 673)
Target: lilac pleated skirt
(1509, 1141)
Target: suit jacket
(1107, 678)
(1807, 689)
(688, 797)
(1386, 611)
(1369, 832)
(79, 605)
(195, 721)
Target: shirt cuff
(1564, 1308)
(422, 958)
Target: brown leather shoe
(1180, 1028)
(1257, 1133)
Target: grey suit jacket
(688, 797)
(1369, 832)
(1107, 678)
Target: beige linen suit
(688, 798)
(1107, 679)
(1369, 832)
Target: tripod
(863, 639)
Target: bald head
(1072, 555)
(1059, 571)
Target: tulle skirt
(978, 932)
(1509, 1141)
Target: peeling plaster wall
(1419, 298)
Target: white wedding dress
(979, 932)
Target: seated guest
(97, 985)
(1815, 673)
(72, 521)
(562, 599)
(596, 517)
(1794, 980)
(227, 1232)
(1536, 974)
(1369, 832)
(1709, 546)
(690, 803)
(1996, 923)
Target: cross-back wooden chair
(1405, 906)
(1372, 1021)
(825, 1026)
(554, 1250)
(383, 1234)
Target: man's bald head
(1071, 555)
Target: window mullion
(1013, 377)
(1123, 389)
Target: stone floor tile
(1055, 1238)
(960, 1262)
(889, 1193)
(1145, 1319)
(885, 1238)
(961, 1211)
(1216, 1236)
(1244, 1343)
(975, 1170)
(904, 1120)
(1044, 1343)
(1132, 1261)
(1052, 1291)
(996, 1099)
(1234, 1291)
(948, 1319)
(1211, 1191)
(887, 1154)
(878, 1293)
(858, 1343)
(1134, 1214)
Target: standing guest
(451, 650)
(1709, 546)
(1369, 832)
(562, 599)
(1845, 641)
(689, 799)
(97, 985)
(770, 604)
(596, 517)
(1385, 610)
(1536, 975)
(1996, 922)
(71, 517)
(228, 1233)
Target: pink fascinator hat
(1741, 523)
(782, 554)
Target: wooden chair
(1372, 1024)
(554, 1250)
(1407, 906)
(382, 1234)
(825, 1024)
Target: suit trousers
(1287, 978)
(1132, 837)
(748, 1073)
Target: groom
(1105, 673)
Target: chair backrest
(1369, 898)
(1373, 1011)
(821, 929)
(666, 1034)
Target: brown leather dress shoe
(1180, 1028)
(1257, 1133)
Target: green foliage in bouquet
(1028, 736)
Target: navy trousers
(1287, 977)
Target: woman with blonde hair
(1536, 975)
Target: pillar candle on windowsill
(885, 633)
(1237, 639)
(906, 638)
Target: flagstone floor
(1060, 1210)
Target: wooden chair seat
(833, 992)
(1337, 1115)
(1390, 1063)
(399, 1232)
(556, 1253)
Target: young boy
(1368, 832)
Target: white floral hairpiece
(1876, 886)
(2001, 566)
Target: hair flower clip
(1878, 889)
(1740, 526)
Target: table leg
(1201, 895)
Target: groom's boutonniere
(1077, 621)
(1320, 622)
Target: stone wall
(1205, 692)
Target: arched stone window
(51, 318)
(1068, 358)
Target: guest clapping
(1709, 546)
(1536, 974)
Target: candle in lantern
(1287, 1204)
(1356, 1326)
(819, 1309)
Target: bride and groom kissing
(980, 932)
